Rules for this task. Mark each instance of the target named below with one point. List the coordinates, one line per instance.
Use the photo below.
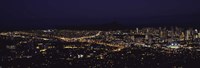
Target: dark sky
(67, 12)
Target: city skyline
(100, 34)
(139, 47)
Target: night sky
(79, 12)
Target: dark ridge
(185, 21)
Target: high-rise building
(161, 34)
(187, 37)
(147, 34)
(133, 37)
(146, 37)
(182, 36)
(137, 30)
(196, 34)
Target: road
(118, 47)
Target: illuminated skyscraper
(161, 34)
(182, 36)
(133, 37)
(146, 37)
(147, 34)
(187, 35)
(196, 34)
(137, 30)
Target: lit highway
(82, 39)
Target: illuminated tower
(196, 34)
(196, 30)
(161, 34)
(146, 35)
(137, 30)
(182, 36)
(187, 35)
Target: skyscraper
(187, 35)
(137, 30)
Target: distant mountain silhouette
(187, 20)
